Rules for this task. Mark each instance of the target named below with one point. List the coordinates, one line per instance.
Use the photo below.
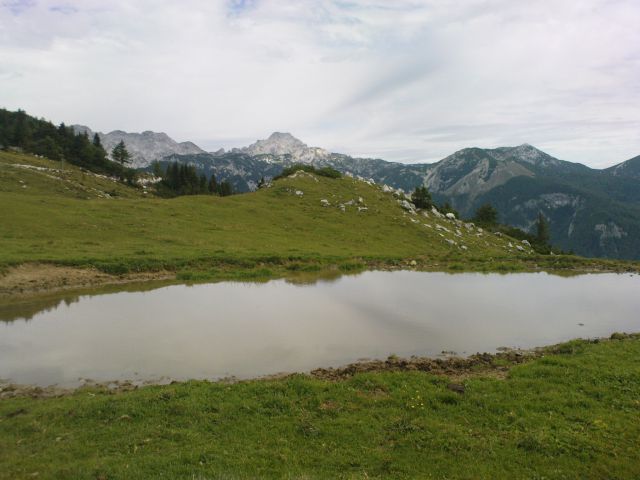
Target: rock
(464, 247)
(435, 211)
(519, 248)
(413, 263)
(497, 234)
(510, 245)
(480, 230)
(456, 387)
(324, 202)
(450, 216)
(360, 200)
(350, 202)
(387, 189)
(299, 193)
(342, 207)
(450, 242)
(526, 242)
(458, 233)
(362, 209)
(408, 206)
(424, 213)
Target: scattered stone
(387, 189)
(519, 248)
(360, 200)
(324, 202)
(413, 263)
(464, 247)
(362, 209)
(450, 242)
(526, 242)
(408, 206)
(435, 211)
(299, 193)
(342, 207)
(450, 216)
(456, 387)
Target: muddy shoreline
(32, 279)
(453, 367)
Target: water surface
(249, 329)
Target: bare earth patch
(31, 278)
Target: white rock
(324, 202)
(526, 242)
(413, 263)
(520, 248)
(362, 209)
(387, 189)
(299, 193)
(450, 216)
(451, 242)
(436, 212)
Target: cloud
(406, 80)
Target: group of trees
(487, 216)
(182, 179)
(32, 135)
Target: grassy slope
(571, 414)
(69, 221)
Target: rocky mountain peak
(283, 143)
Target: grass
(70, 217)
(574, 413)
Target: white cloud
(404, 80)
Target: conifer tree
(120, 153)
(542, 230)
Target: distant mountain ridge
(144, 147)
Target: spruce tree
(120, 153)
(542, 230)
(421, 197)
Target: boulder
(299, 193)
(450, 216)
(324, 202)
(526, 242)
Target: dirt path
(33, 278)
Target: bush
(323, 172)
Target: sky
(403, 80)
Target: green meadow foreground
(571, 412)
(67, 227)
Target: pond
(211, 331)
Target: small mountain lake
(210, 331)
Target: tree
(486, 215)
(225, 189)
(96, 141)
(213, 185)
(421, 198)
(120, 153)
(542, 230)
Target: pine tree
(542, 230)
(96, 140)
(421, 197)
(120, 153)
(213, 185)
(486, 215)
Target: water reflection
(250, 329)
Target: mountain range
(591, 212)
